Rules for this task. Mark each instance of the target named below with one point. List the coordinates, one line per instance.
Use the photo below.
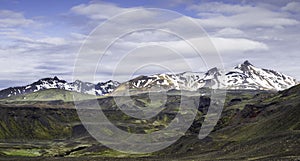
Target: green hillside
(49, 95)
(255, 125)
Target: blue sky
(42, 38)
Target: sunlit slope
(50, 95)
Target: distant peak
(247, 63)
(212, 71)
(50, 79)
(110, 81)
(245, 66)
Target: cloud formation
(259, 31)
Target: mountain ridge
(100, 88)
(243, 76)
(258, 78)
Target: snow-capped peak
(243, 76)
(247, 76)
(56, 83)
(182, 81)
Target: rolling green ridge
(255, 125)
(49, 95)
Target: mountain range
(244, 76)
(101, 88)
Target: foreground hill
(254, 125)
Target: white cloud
(248, 20)
(97, 11)
(222, 8)
(13, 19)
(238, 45)
(223, 45)
(227, 15)
(292, 6)
(231, 32)
(53, 40)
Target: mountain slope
(264, 126)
